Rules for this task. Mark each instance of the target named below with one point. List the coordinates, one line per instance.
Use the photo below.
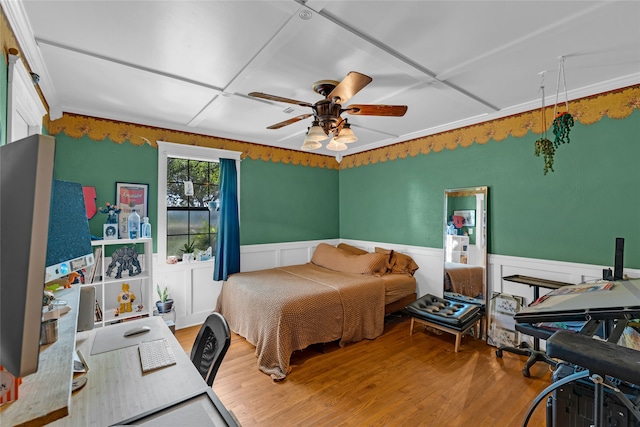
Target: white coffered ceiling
(189, 65)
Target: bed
(341, 295)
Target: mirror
(465, 243)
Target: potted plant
(165, 303)
(188, 252)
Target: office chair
(210, 346)
(534, 353)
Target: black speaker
(619, 259)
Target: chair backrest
(210, 346)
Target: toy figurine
(112, 211)
(71, 279)
(126, 298)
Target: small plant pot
(164, 307)
(188, 257)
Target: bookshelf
(110, 293)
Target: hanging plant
(561, 126)
(543, 146)
(547, 149)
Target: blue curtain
(227, 259)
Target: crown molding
(30, 53)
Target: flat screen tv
(33, 248)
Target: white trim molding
(24, 105)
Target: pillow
(352, 249)
(391, 260)
(400, 263)
(336, 259)
(404, 264)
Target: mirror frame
(480, 229)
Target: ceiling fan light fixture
(335, 145)
(309, 145)
(316, 133)
(346, 135)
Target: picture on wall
(129, 197)
(469, 217)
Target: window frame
(168, 150)
(24, 106)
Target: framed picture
(129, 197)
(110, 231)
(469, 217)
(502, 330)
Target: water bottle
(145, 228)
(133, 225)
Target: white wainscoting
(195, 292)
(259, 257)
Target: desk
(620, 302)
(116, 388)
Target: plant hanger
(563, 121)
(544, 146)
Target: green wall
(286, 203)
(101, 164)
(278, 202)
(573, 214)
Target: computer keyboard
(155, 354)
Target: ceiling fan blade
(288, 122)
(376, 110)
(279, 99)
(349, 86)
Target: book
(97, 263)
(98, 315)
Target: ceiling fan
(326, 112)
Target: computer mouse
(137, 331)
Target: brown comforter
(285, 309)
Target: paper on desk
(112, 337)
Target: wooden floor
(395, 380)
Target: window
(193, 204)
(188, 213)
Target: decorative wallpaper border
(76, 126)
(616, 104)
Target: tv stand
(44, 396)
